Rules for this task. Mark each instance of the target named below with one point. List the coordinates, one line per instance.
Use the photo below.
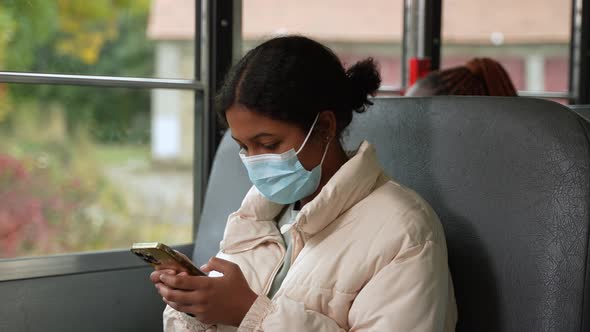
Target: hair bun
(364, 80)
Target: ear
(327, 125)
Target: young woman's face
(259, 134)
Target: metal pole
(421, 34)
(579, 84)
(221, 54)
(200, 108)
(217, 49)
(103, 81)
(409, 39)
(435, 39)
(583, 74)
(574, 56)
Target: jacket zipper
(275, 271)
(266, 289)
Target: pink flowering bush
(32, 207)
(43, 209)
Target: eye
(270, 147)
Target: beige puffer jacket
(368, 255)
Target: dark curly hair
(293, 78)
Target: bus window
(95, 168)
(529, 38)
(353, 29)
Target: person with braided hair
(479, 77)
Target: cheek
(291, 140)
(311, 155)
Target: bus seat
(510, 181)
(227, 186)
(582, 110)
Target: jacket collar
(254, 222)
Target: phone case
(160, 255)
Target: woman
(478, 77)
(324, 240)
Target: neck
(335, 158)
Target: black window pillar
(421, 34)
(222, 35)
(218, 43)
(580, 52)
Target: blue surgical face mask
(280, 177)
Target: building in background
(534, 48)
(172, 25)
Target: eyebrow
(254, 137)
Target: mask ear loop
(326, 151)
(308, 134)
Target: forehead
(245, 123)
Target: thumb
(219, 265)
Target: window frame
(429, 40)
(121, 259)
(218, 25)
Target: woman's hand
(155, 276)
(224, 300)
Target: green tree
(106, 37)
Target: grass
(166, 233)
(113, 155)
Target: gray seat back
(510, 180)
(582, 110)
(228, 184)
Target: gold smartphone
(160, 255)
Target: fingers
(205, 268)
(179, 307)
(220, 265)
(155, 276)
(181, 297)
(184, 281)
(196, 311)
